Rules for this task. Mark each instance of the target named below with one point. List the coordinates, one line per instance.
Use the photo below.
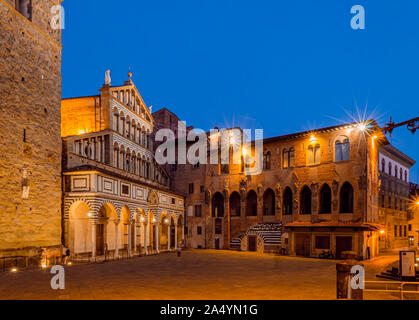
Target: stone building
(394, 197)
(413, 211)
(318, 191)
(117, 199)
(30, 160)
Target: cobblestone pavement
(198, 274)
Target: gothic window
(267, 161)
(325, 199)
(346, 198)
(291, 158)
(313, 154)
(235, 205)
(305, 200)
(25, 8)
(285, 158)
(342, 150)
(269, 203)
(251, 203)
(287, 201)
(218, 205)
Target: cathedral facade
(117, 199)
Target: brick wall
(30, 98)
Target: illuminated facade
(318, 192)
(394, 210)
(117, 200)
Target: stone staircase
(270, 232)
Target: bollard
(343, 281)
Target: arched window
(251, 203)
(287, 201)
(401, 174)
(342, 150)
(292, 158)
(345, 150)
(305, 200)
(235, 204)
(389, 168)
(405, 175)
(267, 161)
(313, 154)
(346, 198)
(285, 158)
(269, 203)
(396, 170)
(383, 165)
(325, 199)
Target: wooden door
(252, 245)
(343, 244)
(100, 239)
(303, 245)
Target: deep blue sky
(283, 66)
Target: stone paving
(198, 274)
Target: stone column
(129, 238)
(176, 236)
(116, 239)
(135, 237)
(157, 237)
(145, 238)
(168, 236)
(93, 239)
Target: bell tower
(30, 142)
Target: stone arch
(164, 222)
(305, 200)
(217, 205)
(79, 237)
(325, 205)
(235, 204)
(346, 198)
(269, 202)
(251, 203)
(123, 227)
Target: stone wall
(30, 141)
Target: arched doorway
(218, 205)
(305, 200)
(180, 230)
(251, 203)
(235, 205)
(79, 238)
(172, 232)
(269, 203)
(110, 221)
(123, 229)
(325, 199)
(287, 204)
(347, 198)
(163, 231)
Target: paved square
(198, 274)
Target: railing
(393, 287)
